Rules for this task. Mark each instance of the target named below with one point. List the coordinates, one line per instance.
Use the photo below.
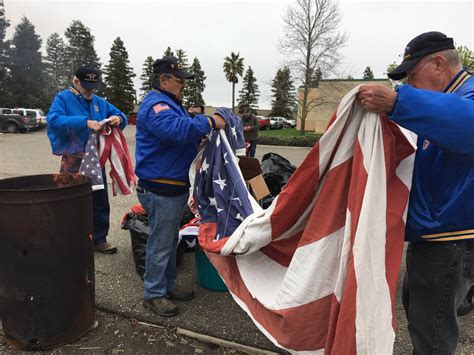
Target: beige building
(209, 110)
(325, 98)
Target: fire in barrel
(47, 287)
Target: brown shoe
(179, 294)
(105, 248)
(161, 306)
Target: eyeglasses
(418, 67)
(178, 80)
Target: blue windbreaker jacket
(67, 120)
(167, 138)
(441, 206)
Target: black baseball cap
(170, 65)
(89, 77)
(419, 47)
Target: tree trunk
(233, 94)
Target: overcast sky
(378, 31)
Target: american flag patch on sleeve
(160, 107)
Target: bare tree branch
(311, 41)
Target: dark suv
(13, 121)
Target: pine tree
(80, 47)
(368, 74)
(195, 86)
(56, 63)
(168, 52)
(183, 59)
(118, 78)
(4, 56)
(248, 96)
(147, 71)
(283, 93)
(27, 76)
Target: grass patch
(286, 132)
(288, 137)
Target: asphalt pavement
(119, 289)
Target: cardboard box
(252, 172)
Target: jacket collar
(170, 95)
(458, 80)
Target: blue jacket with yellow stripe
(67, 120)
(167, 139)
(441, 206)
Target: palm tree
(233, 68)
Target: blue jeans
(164, 215)
(439, 275)
(252, 149)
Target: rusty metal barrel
(47, 286)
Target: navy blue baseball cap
(419, 47)
(171, 65)
(89, 77)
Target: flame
(65, 180)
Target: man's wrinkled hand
(377, 98)
(94, 125)
(114, 121)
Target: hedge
(297, 141)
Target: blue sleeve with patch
(173, 128)
(447, 120)
(61, 123)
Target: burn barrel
(47, 286)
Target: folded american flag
(317, 270)
(90, 164)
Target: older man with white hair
(438, 105)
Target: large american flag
(317, 270)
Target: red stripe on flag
(344, 341)
(207, 233)
(281, 251)
(298, 193)
(329, 212)
(281, 324)
(396, 148)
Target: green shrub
(296, 141)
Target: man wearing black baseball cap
(167, 143)
(74, 114)
(438, 105)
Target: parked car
(132, 118)
(275, 124)
(285, 122)
(34, 113)
(12, 122)
(263, 122)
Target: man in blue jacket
(74, 114)
(167, 143)
(437, 105)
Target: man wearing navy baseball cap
(74, 114)
(418, 48)
(89, 78)
(437, 104)
(167, 143)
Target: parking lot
(119, 289)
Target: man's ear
(440, 63)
